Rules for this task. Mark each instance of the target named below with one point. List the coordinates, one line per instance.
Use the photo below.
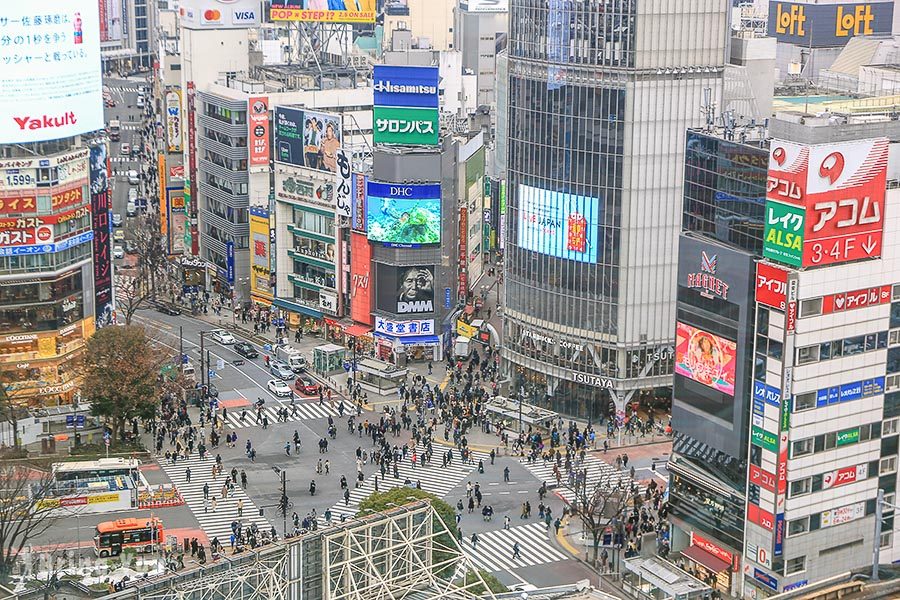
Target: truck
(115, 130)
(292, 357)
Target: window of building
(810, 308)
(887, 539)
(798, 526)
(802, 447)
(894, 337)
(887, 465)
(801, 487)
(891, 383)
(830, 440)
(889, 427)
(804, 401)
(762, 321)
(795, 565)
(807, 355)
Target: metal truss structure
(407, 552)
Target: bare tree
(132, 293)
(26, 511)
(11, 412)
(600, 505)
(151, 250)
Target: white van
(292, 357)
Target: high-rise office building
(600, 96)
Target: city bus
(96, 469)
(143, 535)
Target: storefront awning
(699, 555)
(357, 330)
(420, 340)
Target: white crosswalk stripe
(433, 478)
(215, 524)
(494, 549)
(597, 469)
(133, 90)
(305, 412)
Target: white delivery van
(292, 357)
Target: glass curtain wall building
(601, 93)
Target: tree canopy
(121, 375)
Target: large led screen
(560, 224)
(705, 358)
(401, 214)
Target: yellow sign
(360, 11)
(103, 498)
(47, 347)
(466, 330)
(260, 255)
(790, 21)
(856, 21)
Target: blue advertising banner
(48, 248)
(229, 261)
(447, 298)
(779, 534)
(850, 391)
(766, 393)
(765, 579)
(406, 86)
(404, 215)
(559, 224)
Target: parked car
(279, 388)
(168, 309)
(119, 235)
(281, 370)
(245, 350)
(223, 337)
(118, 252)
(306, 386)
(117, 220)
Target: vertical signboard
(463, 291)
(358, 217)
(260, 255)
(174, 134)
(360, 279)
(163, 204)
(343, 186)
(258, 126)
(229, 262)
(771, 286)
(100, 207)
(191, 234)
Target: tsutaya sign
(705, 279)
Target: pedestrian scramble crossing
(493, 551)
(597, 471)
(218, 523)
(433, 478)
(304, 412)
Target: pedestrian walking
(206, 491)
(187, 474)
(474, 540)
(240, 507)
(516, 551)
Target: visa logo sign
(243, 16)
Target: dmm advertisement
(306, 138)
(324, 11)
(705, 358)
(100, 207)
(258, 126)
(405, 290)
(406, 86)
(408, 126)
(406, 215)
(559, 224)
(823, 26)
(52, 89)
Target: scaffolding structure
(406, 552)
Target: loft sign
(705, 280)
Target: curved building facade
(601, 93)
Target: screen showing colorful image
(705, 358)
(403, 214)
(558, 223)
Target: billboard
(485, 6)
(828, 25)
(407, 126)
(323, 11)
(406, 86)
(705, 358)
(260, 253)
(306, 138)
(771, 286)
(559, 224)
(110, 20)
(101, 204)
(258, 128)
(405, 290)
(360, 279)
(343, 186)
(404, 215)
(825, 203)
(219, 14)
(52, 88)
(174, 133)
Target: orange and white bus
(143, 535)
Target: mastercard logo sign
(211, 15)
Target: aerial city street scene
(449, 299)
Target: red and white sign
(782, 467)
(360, 279)
(762, 478)
(788, 172)
(714, 549)
(29, 236)
(857, 299)
(791, 316)
(845, 476)
(176, 172)
(760, 516)
(771, 285)
(21, 205)
(258, 124)
(31, 222)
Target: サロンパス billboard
(828, 25)
(52, 88)
(705, 358)
(408, 126)
(306, 138)
(558, 224)
(401, 214)
(258, 125)
(323, 11)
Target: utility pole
(876, 545)
(283, 502)
(181, 345)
